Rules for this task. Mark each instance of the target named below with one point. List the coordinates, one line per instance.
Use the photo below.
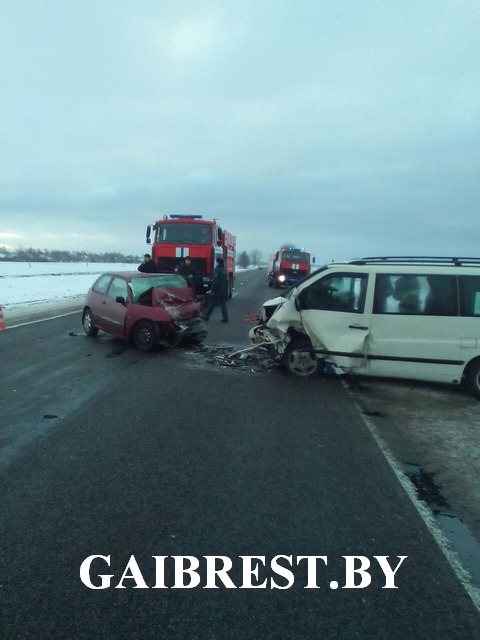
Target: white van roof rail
(427, 260)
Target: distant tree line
(245, 259)
(45, 255)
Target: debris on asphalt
(255, 360)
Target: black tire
(144, 335)
(301, 360)
(88, 325)
(472, 378)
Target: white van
(403, 317)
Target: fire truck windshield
(296, 256)
(193, 233)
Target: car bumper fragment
(261, 336)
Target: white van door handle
(357, 326)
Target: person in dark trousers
(218, 292)
(148, 265)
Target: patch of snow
(29, 288)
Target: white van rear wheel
(472, 378)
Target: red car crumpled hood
(178, 303)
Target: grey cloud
(350, 126)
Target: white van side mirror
(299, 303)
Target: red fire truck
(177, 237)
(288, 265)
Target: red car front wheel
(144, 335)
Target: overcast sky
(348, 128)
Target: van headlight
(281, 278)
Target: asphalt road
(108, 451)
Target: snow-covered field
(27, 288)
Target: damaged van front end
(282, 333)
(320, 320)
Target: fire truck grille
(293, 272)
(167, 265)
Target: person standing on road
(218, 292)
(148, 265)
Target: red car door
(113, 312)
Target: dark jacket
(187, 271)
(219, 286)
(148, 267)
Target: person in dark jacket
(218, 292)
(148, 265)
(188, 270)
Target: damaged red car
(146, 308)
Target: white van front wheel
(300, 359)
(472, 378)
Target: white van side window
(470, 296)
(337, 292)
(411, 294)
